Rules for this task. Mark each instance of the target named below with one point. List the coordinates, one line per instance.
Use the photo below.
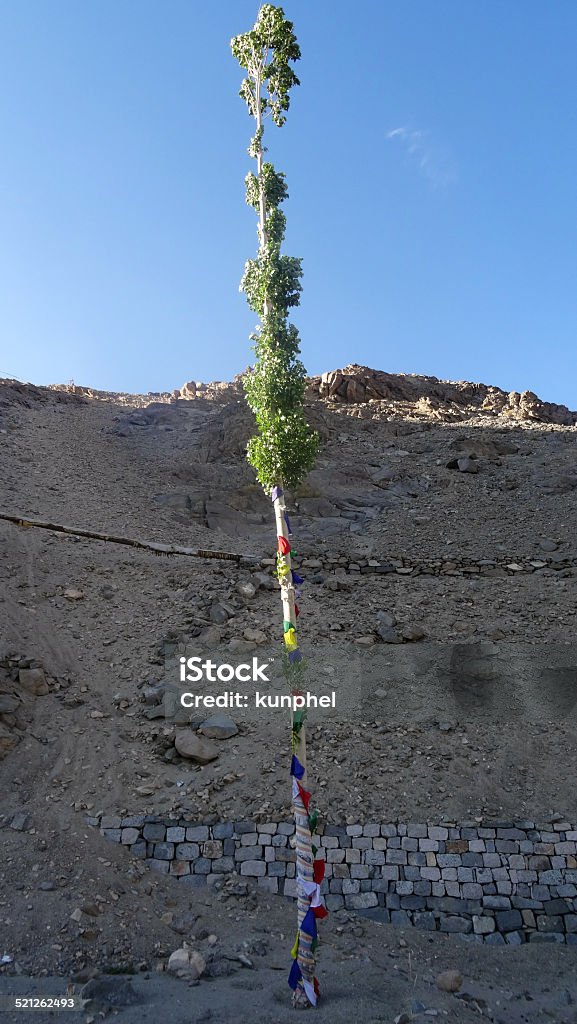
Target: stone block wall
(511, 882)
(557, 564)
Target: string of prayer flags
(313, 891)
(305, 797)
(309, 923)
(296, 978)
(318, 871)
(290, 639)
(295, 974)
(310, 870)
(282, 568)
(304, 794)
(310, 889)
(312, 991)
(295, 730)
(283, 545)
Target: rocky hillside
(436, 533)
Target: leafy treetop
(285, 447)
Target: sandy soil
(175, 477)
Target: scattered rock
(8, 704)
(219, 727)
(411, 633)
(383, 475)
(156, 712)
(20, 821)
(467, 464)
(33, 681)
(189, 744)
(91, 909)
(109, 992)
(386, 618)
(8, 740)
(449, 981)
(388, 635)
(255, 635)
(153, 694)
(262, 579)
(218, 614)
(186, 963)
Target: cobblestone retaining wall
(557, 564)
(511, 882)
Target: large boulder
(33, 681)
(219, 727)
(186, 963)
(189, 744)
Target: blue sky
(431, 158)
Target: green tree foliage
(285, 447)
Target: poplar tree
(284, 448)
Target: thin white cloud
(433, 161)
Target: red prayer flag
(318, 871)
(305, 797)
(320, 911)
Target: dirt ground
(172, 472)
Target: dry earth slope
(464, 494)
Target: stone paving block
(197, 833)
(129, 836)
(253, 868)
(175, 834)
(155, 833)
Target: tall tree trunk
(266, 54)
(304, 852)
